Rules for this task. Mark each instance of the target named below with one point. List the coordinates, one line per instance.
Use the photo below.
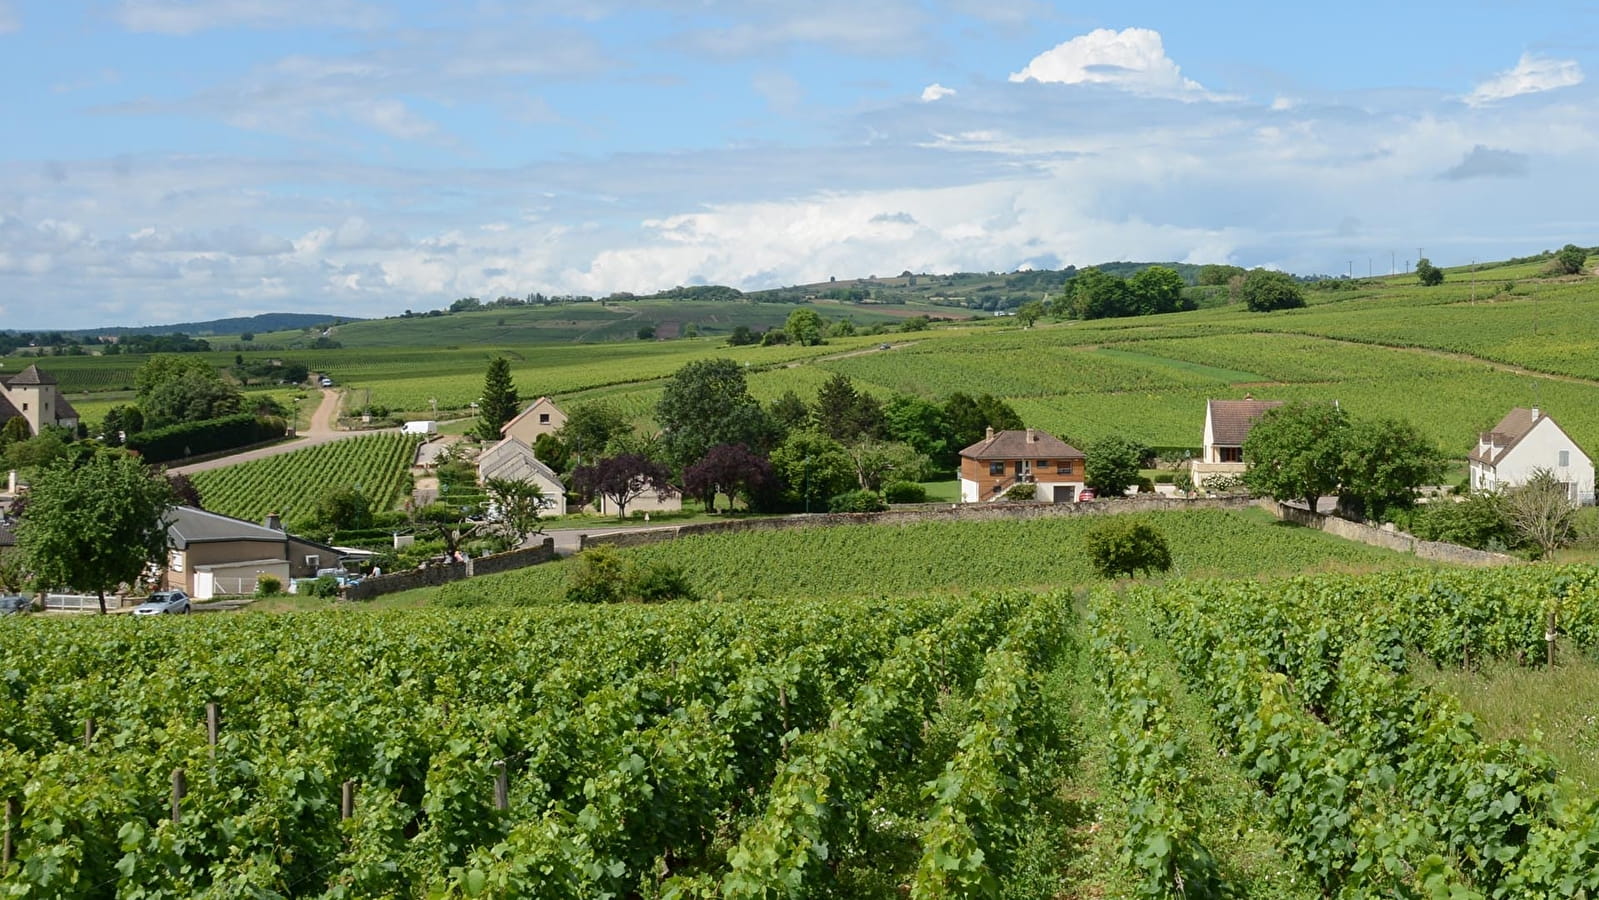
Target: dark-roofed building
(513, 460)
(1227, 424)
(34, 395)
(1523, 442)
(216, 554)
(1002, 459)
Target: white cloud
(1531, 75)
(1133, 59)
(936, 91)
(189, 16)
(395, 119)
(8, 18)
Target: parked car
(14, 605)
(171, 602)
(1086, 494)
(326, 381)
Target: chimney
(1032, 436)
(1536, 413)
(1249, 396)
(274, 522)
(990, 435)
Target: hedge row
(194, 438)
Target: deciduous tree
(1265, 290)
(1154, 290)
(589, 429)
(707, 402)
(1113, 465)
(1121, 545)
(1384, 462)
(1569, 260)
(1296, 452)
(1541, 512)
(812, 468)
(803, 327)
(729, 469)
(95, 522)
(518, 505)
(621, 480)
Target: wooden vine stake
(180, 789)
(13, 817)
(347, 801)
(88, 732)
(502, 787)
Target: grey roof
(513, 459)
(31, 375)
(1230, 420)
(8, 411)
(191, 525)
(1029, 444)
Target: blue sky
(167, 160)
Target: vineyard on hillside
(697, 750)
(290, 483)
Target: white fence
(80, 601)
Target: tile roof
(1029, 444)
(31, 375)
(8, 411)
(1517, 424)
(1230, 420)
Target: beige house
(513, 459)
(215, 554)
(1003, 459)
(1227, 424)
(541, 417)
(648, 502)
(34, 396)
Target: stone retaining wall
(1392, 540)
(432, 576)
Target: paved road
(323, 430)
(566, 539)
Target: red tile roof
(1230, 420)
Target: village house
(512, 459)
(34, 396)
(1227, 424)
(541, 417)
(1003, 459)
(215, 554)
(1523, 442)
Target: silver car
(14, 606)
(163, 603)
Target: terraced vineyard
(750, 750)
(290, 483)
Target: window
(544, 418)
(1565, 458)
(24, 407)
(1066, 467)
(996, 468)
(1043, 464)
(1231, 454)
(312, 560)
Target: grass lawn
(943, 491)
(1561, 706)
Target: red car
(1086, 494)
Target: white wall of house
(1210, 453)
(1545, 447)
(969, 492)
(236, 578)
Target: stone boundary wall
(432, 576)
(1392, 540)
(960, 512)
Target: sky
(169, 160)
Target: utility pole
(1473, 281)
(1368, 267)
(1393, 264)
(1351, 270)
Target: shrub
(1145, 486)
(1021, 492)
(268, 586)
(660, 583)
(1121, 546)
(857, 502)
(596, 577)
(322, 586)
(208, 436)
(904, 492)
